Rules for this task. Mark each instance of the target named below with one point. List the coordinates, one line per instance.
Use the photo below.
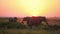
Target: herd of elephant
(31, 21)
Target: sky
(22, 8)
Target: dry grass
(27, 31)
(31, 31)
(14, 31)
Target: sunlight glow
(23, 8)
(34, 15)
(33, 6)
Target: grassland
(14, 30)
(28, 31)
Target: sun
(34, 15)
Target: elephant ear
(43, 23)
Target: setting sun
(34, 15)
(33, 7)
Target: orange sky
(21, 8)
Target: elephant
(35, 21)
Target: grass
(19, 31)
(27, 31)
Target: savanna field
(29, 16)
(19, 28)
